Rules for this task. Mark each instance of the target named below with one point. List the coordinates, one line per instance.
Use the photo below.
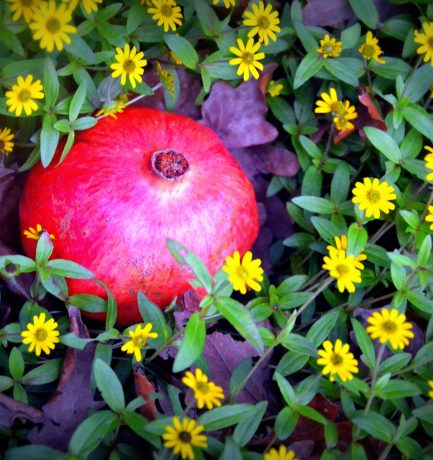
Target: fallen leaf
(11, 409)
(329, 13)
(145, 388)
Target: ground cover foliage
(321, 350)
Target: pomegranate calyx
(169, 164)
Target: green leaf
(151, 313)
(240, 318)
(299, 344)
(350, 36)
(326, 229)
(247, 427)
(80, 49)
(138, 423)
(44, 249)
(77, 101)
(398, 389)
(419, 300)
(285, 423)
(392, 68)
(424, 253)
(183, 49)
(315, 204)
(109, 385)
(88, 302)
(87, 437)
(419, 83)
(207, 18)
(423, 356)
(73, 341)
(424, 413)
(344, 69)
(419, 118)
(366, 11)
(68, 145)
(6, 383)
(84, 123)
(227, 415)
(291, 362)
(356, 239)
(291, 284)
(376, 425)
(51, 83)
(16, 364)
(394, 363)
(49, 139)
(46, 373)
(340, 183)
(192, 345)
(312, 414)
(320, 329)
(33, 452)
(307, 68)
(364, 343)
(68, 269)
(286, 390)
(384, 143)
(10, 39)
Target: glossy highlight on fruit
(127, 186)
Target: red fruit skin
(111, 213)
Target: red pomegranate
(125, 187)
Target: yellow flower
(245, 274)
(227, 3)
(247, 58)
(129, 63)
(41, 335)
(205, 392)
(430, 393)
(35, 233)
(166, 78)
(429, 163)
(341, 246)
(342, 120)
(329, 47)
(429, 217)
(110, 109)
(51, 26)
(374, 197)
(138, 340)
(263, 21)
(175, 58)
(146, 2)
(329, 103)
(6, 141)
(343, 269)
(370, 49)
(426, 40)
(390, 326)
(274, 89)
(337, 360)
(89, 5)
(25, 8)
(22, 95)
(281, 454)
(167, 13)
(183, 436)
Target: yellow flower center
(248, 58)
(129, 66)
(373, 196)
(53, 25)
(342, 269)
(328, 49)
(202, 387)
(337, 107)
(139, 342)
(185, 437)
(166, 11)
(389, 326)
(41, 334)
(263, 22)
(336, 359)
(369, 51)
(24, 95)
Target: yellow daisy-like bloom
(430, 393)
(183, 436)
(343, 269)
(342, 120)
(51, 26)
(428, 159)
(370, 49)
(429, 217)
(36, 233)
(426, 41)
(89, 5)
(390, 326)
(41, 335)
(281, 454)
(112, 108)
(25, 8)
(146, 2)
(341, 246)
(205, 392)
(129, 64)
(263, 21)
(274, 89)
(247, 58)
(329, 103)
(374, 197)
(138, 340)
(166, 78)
(21, 96)
(329, 47)
(6, 141)
(244, 274)
(337, 360)
(167, 13)
(227, 3)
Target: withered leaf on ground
(11, 409)
(145, 388)
(73, 398)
